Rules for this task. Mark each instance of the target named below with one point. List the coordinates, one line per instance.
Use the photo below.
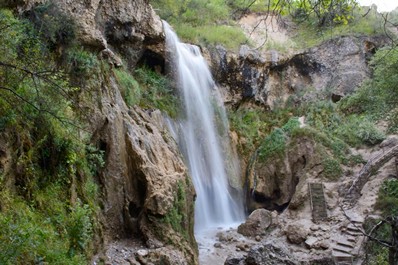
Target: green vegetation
(377, 98)
(387, 203)
(275, 142)
(176, 215)
(215, 21)
(201, 21)
(147, 89)
(48, 206)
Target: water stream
(202, 134)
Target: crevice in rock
(153, 61)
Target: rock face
(339, 65)
(272, 184)
(130, 28)
(146, 186)
(256, 224)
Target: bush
(130, 89)
(157, 92)
(82, 64)
(275, 142)
(50, 154)
(53, 26)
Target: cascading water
(199, 138)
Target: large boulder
(262, 255)
(296, 233)
(256, 224)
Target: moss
(176, 216)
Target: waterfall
(200, 133)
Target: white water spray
(198, 136)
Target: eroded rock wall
(336, 67)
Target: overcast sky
(382, 5)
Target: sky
(382, 5)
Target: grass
(147, 89)
(309, 35)
(229, 36)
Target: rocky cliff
(337, 66)
(147, 196)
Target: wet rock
(256, 224)
(217, 245)
(262, 255)
(231, 260)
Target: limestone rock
(256, 224)
(296, 233)
(274, 183)
(340, 64)
(126, 27)
(144, 171)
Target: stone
(256, 224)
(258, 238)
(296, 233)
(311, 241)
(262, 255)
(217, 245)
(142, 252)
(235, 260)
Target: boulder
(262, 255)
(256, 224)
(296, 233)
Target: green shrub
(130, 89)
(376, 99)
(53, 26)
(331, 168)
(50, 153)
(157, 92)
(275, 142)
(176, 215)
(82, 64)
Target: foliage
(176, 216)
(52, 25)
(387, 203)
(377, 97)
(81, 64)
(53, 187)
(376, 253)
(147, 89)
(388, 198)
(201, 21)
(331, 168)
(229, 36)
(156, 91)
(130, 89)
(275, 142)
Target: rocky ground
(292, 237)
